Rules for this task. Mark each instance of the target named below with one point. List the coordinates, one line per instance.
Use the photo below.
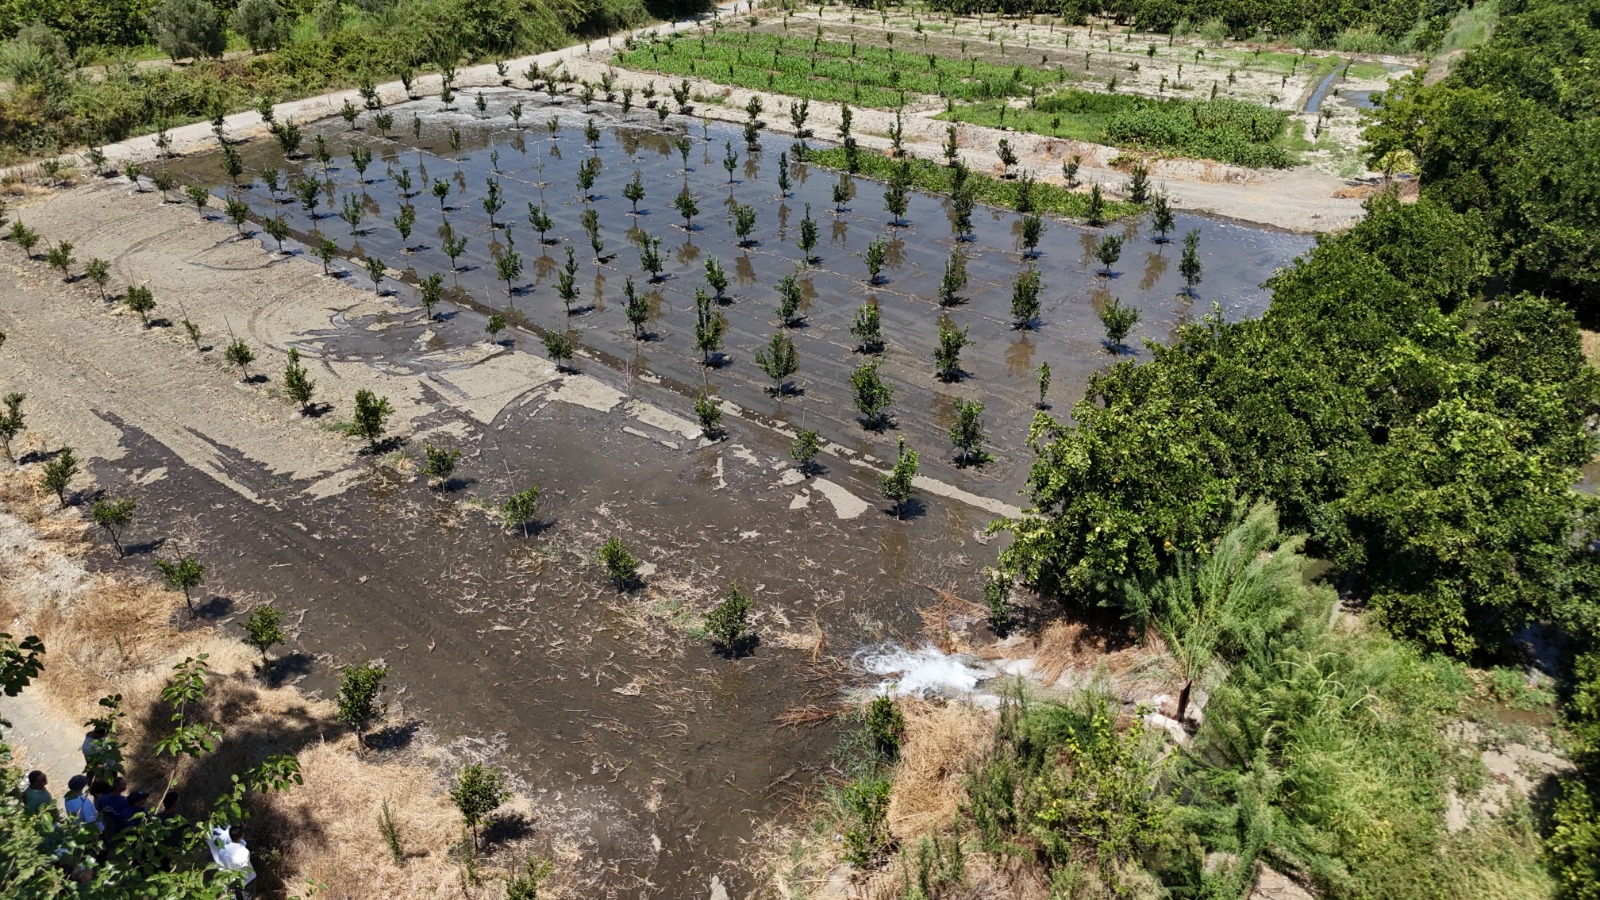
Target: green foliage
(1226, 130)
(524, 884)
(560, 346)
(708, 412)
(479, 790)
(779, 361)
(520, 509)
(60, 258)
(297, 385)
(620, 565)
(440, 464)
(183, 574)
(728, 623)
(359, 700)
(871, 394)
(113, 516)
(866, 801)
(139, 300)
(790, 296)
(371, 412)
(947, 355)
(12, 421)
(1025, 304)
(240, 354)
(897, 484)
(886, 726)
(828, 70)
(1426, 445)
(966, 432)
(935, 178)
(867, 328)
(263, 629)
(1118, 319)
(807, 444)
(58, 474)
(263, 24)
(187, 29)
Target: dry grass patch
(941, 741)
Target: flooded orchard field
(618, 717)
(534, 164)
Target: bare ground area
(649, 759)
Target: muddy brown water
(631, 728)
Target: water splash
(923, 672)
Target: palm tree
(1221, 604)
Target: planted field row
(1225, 130)
(832, 71)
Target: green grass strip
(936, 178)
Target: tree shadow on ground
(395, 737)
(288, 666)
(503, 829)
(912, 508)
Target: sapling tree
(371, 412)
(744, 222)
(807, 444)
(495, 325)
(539, 221)
(98, 273)
(567, 281)
(779, 360)
(789, 298)
(620, 565)
(361, 158)
(308, 191)
(728, 623)
(650, 256)
(1096, 215)
(297, 384)
(708, 328)
(509, 267)
(239, 354)
(716, 277)
(1118, 319)
(1044, 385)
(730, 159)
(276, 228)
(588, 173)
(402, 181)
(375, 269)
(997, 600)
(1008, 157)
(1161, 218)
(199, 196)
(58, 474)
(954, 279)
(360, 701)
(193, 332)
(686, 207)
(871, 394)
(876, 254)
(24, 237)
(1069, 169)
(591, 227)
(493, 201)
(438, 465)
(708, 412)
(441, 192)
(263, 630)
(430, 291)
(966, 433)
(799, 111)
(140, 301)
(897, 484)
(636, 308)
(1139, 184)
(1032, 230)
(947, 355)
(560, 347)
(962, 202)
(808, 238)
(867, 328)
(184, 574)
(633, 191)
(783, 175)
(896, 200)
(683, 146)
(164, 181)
(60, 258)
(1025, 300)
(520, 509)
(1189, 264)
(479, 790)
(12, 422)
(352, 212)
(842, 189)
(113, 516)
(452, 243)
(1108, 251)
(324, 249)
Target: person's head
(97, 733)
(236, 832)
(169, 803)
(119, 785)
(37, 779)
(137, 799)
(99, 787)
(77, 783)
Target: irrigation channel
(664, 754)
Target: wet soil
(1000, 366)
